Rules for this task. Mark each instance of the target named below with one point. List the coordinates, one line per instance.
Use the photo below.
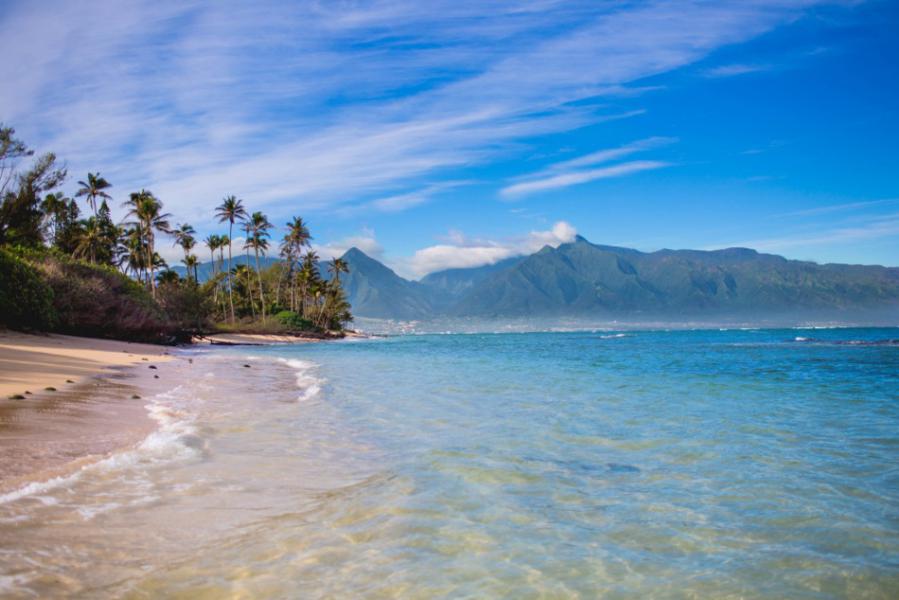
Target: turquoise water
(735, 462)
(750, 464)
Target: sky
(451, 133)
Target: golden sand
(35, 362)
(67, 401)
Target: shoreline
(34, 363)
(85, 401)
(68, 402)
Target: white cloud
(611, 154)
(572, 172)
(465, 253)
(315, 106)
(444, 256)
(577, 177)
(365, 241)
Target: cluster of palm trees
(294, 283)
(34, 214)
(297, 282)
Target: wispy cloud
(400, 202)
(611, 154)
(835, 208)
(317, 106)
(572, 172)
(576, 177)
(878, 227)
(735, 69)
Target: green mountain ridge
(582, 279)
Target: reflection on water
(706, 464)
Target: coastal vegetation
(69, 267)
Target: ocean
(745, 463)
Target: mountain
(449, 285)
(376, 291)
(581, 278)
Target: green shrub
(26, 301)
(294, 322)
(187, 304)
(98, 301)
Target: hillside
(581, 278)
(376, 291)
(585, 279)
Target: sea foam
(306, 381)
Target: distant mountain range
(581, 279)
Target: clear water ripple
(559, 465)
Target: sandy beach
(31, 363)
(68, 400)
(251, 339)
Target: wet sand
(31, 363)
(251, 339)
(96, 405)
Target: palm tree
(53, 206)
(190, 262)
(149, 218)
(338, 266)
(231, 209)
(167, 276)
(298, 233)
(257, 228)
(184, 237)
(93, 189)
(212, 242)
(308, 277)
(247, 233)
(132, 252)
(90, 240)
(295, 240)
(224, 240)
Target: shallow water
(754, 464)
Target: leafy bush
(294, 322)
(98, 301)
(26, 302)
(187, 304)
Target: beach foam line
(308, 383)
(175, 439)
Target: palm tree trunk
(278, 291)
(152, 266)
(322, 311)
(215, 290)
(250, 285)
(259, 277)
(230, 282)
(221, 268)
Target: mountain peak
(579, 239)
(355, 252)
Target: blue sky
(455, 133)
